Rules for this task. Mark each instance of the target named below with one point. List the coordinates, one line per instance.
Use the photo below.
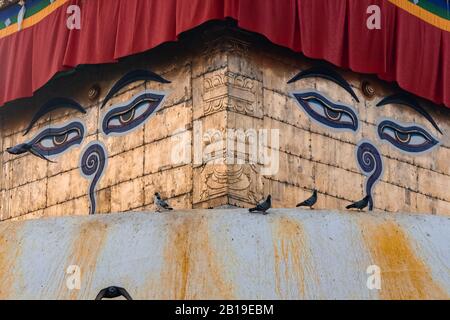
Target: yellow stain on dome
(404, 276)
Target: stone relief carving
(227, 90)
(231, 180)
(226, 44)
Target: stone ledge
(228, 254)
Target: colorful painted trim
(434, 12)
(36, 11)
(440, 8)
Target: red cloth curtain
(406, 49)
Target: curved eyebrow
(131, 77)
(328, 74)
(411, 102)
(51, 105)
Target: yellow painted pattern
(422, 14)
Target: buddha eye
(326, 112)
(413, 139)
(54, 141)
(128, 116)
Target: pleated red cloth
(406, 49)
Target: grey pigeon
(263, 206)
(361, 204)
(310, 201)
(160, 203)
(113, 292)
(26, 147)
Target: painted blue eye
(413, 139)
(325, 112)
(124, 118)
(54, 141)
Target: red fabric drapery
(406, 49)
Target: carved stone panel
(226, 90)
(240, 183)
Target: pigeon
(310, 201)
(27, 147)
(113, 292)
(160, 203)
(263, 206)
(361, 204)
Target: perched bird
(263, 206)
(310, 201)
(26, 147)
(160, 203)
(113, 292)
(361, 204)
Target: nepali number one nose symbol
(371, 165)
(92, 165)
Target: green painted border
(431, 7)
(30, 12)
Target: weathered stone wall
(219, 82)
(313, 156)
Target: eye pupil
(333, 114)
(402, 137)
(327, 112)
(58, 140)
(127, 116)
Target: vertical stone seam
(191, 192)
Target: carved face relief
(411, 138)
(119, 119)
